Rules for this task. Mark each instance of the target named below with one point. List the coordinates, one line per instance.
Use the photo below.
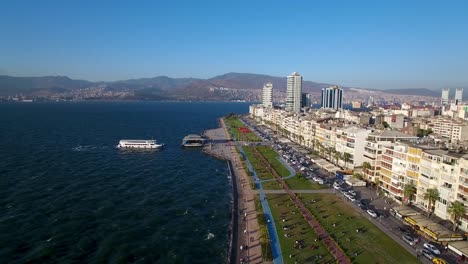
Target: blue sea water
(68, 195)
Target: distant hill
(10, 85)
(413, 91)
(256, 81)
(164, 87)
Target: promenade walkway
(245, 229)
(274, 240)
(334, 249)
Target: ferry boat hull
(139, 144)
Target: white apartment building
(294, 92)
(453, 129)
(267, 95)
(352, 140)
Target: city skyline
(364, 44)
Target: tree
(337, 156)
(366, 167)
(431, 195)
(456, 210)
(346, 158)
(357, 176)
(377, 184)
(408, 191)
(329, 151)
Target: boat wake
(209, 236)
(81, 148)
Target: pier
(244, 226)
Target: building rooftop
(295, 74)
(391, 133)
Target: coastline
(244, 229)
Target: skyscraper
(267, 95)
(306, 100)
(445, 96)
(332, 97)
(293, 92)
(458, 96)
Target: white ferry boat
(193, 140)
(139, 144)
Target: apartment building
(453, 129)
(373, 150)
(351, 140)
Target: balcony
(448, 178)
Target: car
(351, 198)
(432, 248)
(427, 253)
(352, 192)
(405, 229)
(439, 261)
(372, 213)
(408, 240)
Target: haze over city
(368, 44)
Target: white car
(352, 192)
(351, 198)
(432, 248)
(372, 213)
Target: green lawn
(234, 123)
(271, 185)
(271, 155)
(299, 182)
(257, 164)
(371, 245)
(282, 208)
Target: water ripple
(68, 195)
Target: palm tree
(377, 184)
(431, 195)
(366, 167)
(329, 152)
(456, 210)
(337, 156)
(346, 158)
(408, 191)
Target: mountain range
(163, 87)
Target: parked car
(372, 213)
(408, 240)
(427, 253)
(406, 229)
(352, 192)
(432, 248)
(439, 261)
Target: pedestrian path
(275, 245)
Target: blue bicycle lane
(275, 246)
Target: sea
(68, 195)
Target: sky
(368, 44)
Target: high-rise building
(445, 96)
(306, 100)
(293, 92)
(458, 96)
(267, 95)
(332, 97)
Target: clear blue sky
(374, 44)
